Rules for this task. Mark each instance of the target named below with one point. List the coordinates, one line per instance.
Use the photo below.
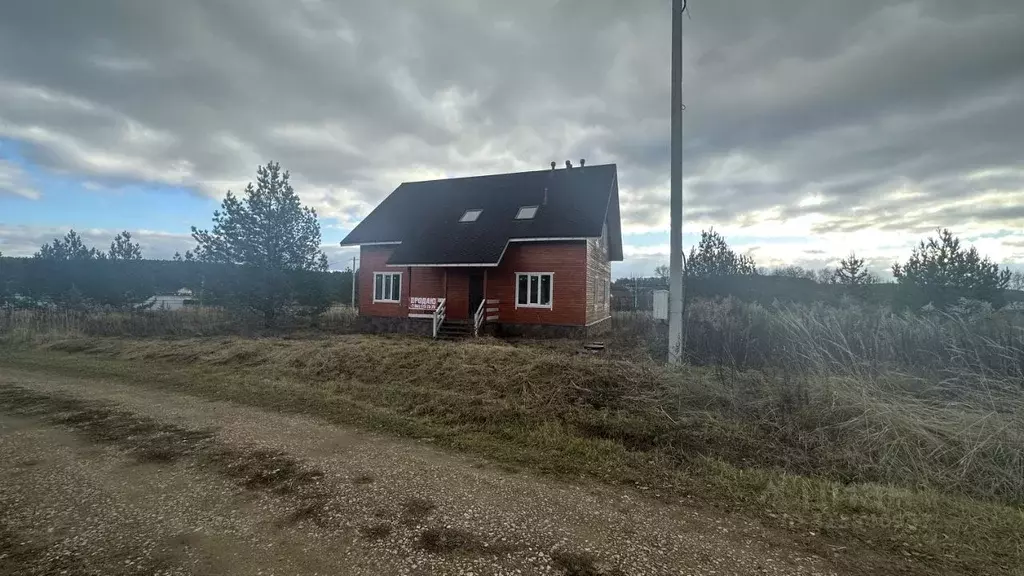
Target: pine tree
(852, 271)
(713, 257)
(941, 272)
(267, 227)
(122, 248)
(271, 234)
(71, 247)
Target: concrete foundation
(424, 327)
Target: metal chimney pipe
(568, 164)
(582, 162)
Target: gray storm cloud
(846, 102)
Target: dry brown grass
(446, 540)
(960, 347)
(581, 564)
(26, 325)
(259, 469)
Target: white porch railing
(439, 315)
(479, 316)
(486, 312)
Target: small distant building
(635, 294)
(180, 299)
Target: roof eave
(359, 243)
(615, 252)
(450, 265)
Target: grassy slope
(568, 415)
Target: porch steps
(455, 330)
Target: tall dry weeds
(935, 399)
(28, 325)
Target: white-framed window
(602, 294)
(387, 287)
(526, 212)
(471, 215)
(534, 289)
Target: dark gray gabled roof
(424, 216)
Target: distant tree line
(127, 284)
(263, 253)
(72, 247)
(940, 271)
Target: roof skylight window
(470, 215)
(526, 213)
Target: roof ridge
(505, 174)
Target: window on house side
(602, 294)
(470, 215)
(526, 213)
(534, 289)
(387, 287)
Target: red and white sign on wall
(429, 304)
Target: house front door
(476, 291)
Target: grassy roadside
(549, 411)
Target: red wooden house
(528, 252)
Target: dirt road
(98, 477)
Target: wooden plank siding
(566, 260)
(599, 278)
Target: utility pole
(675, 261)
(353, 282)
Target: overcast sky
(811, 128)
